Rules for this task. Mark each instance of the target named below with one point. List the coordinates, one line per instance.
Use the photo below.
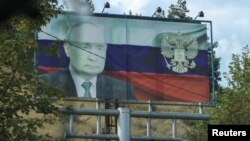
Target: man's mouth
(91, 66)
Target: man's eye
(86, 47)
(99, 48)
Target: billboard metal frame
(124, 122)
(212, 79)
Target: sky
(230, 20)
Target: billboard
(126, 58)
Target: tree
(18, 77)
(233, 103)
(179, 10)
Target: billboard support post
(107, 117)
(173, 128)
(123, 125)
(98, 122)
(149, 119)
(200, 108)
(71, 123)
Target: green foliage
(198, 132)
(18, 77)
(233, 102)
(179, 10)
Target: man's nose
(92, 57)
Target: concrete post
(98, 121)
(173, 128)
(149, 119)
(200, 108)
(71, 123)
(124, 130)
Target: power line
(73, 45)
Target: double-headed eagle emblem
(181, 49)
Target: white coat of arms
(181, 49)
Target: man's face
(88, 50)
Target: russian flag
(146, 69)
(134, 55)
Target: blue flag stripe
(146, 59)
(130, 58)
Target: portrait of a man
(86, 48)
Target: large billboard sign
(126, 58)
